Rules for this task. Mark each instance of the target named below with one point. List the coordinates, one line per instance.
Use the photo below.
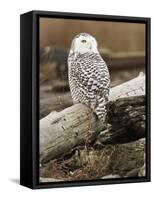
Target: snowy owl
(89, 78)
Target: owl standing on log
(89, 78)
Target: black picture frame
(29, 98)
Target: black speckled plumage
(89, 81)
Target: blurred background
(122, 46)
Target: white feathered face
(84, 43)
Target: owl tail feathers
(101, 113)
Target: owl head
(83, 43)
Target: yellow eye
(83, 41)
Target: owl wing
(89, 82)
(93, 76)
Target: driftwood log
(61, 131)
(126, 117)
(111, 161)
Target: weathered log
(134, 87)
(111, 161)
(126, 117)
(61, 131)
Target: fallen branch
(61, 131)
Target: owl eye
(83, 41)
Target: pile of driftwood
(74, 145)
